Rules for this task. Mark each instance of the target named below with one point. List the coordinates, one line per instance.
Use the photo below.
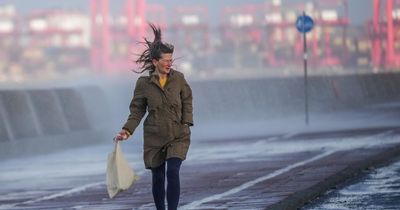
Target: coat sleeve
(187, 99)
(137, 107)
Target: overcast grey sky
(360, 10)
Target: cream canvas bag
(119, 175)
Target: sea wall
(35, 120)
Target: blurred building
(384, 31)
(58, 40)
(250, 38)
(9, 30)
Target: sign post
(304, 24)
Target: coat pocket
(185, 129)
(151, 129)
(180, 130)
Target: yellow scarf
(163, 81)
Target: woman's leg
(173, 187)
(158, 187)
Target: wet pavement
(375, 189)
(276, 171)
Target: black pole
(305, 73)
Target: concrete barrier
(75, 112)
(19, 113)
(55, 113)
(264, 98)
(49, 111)
(40, 120)
(235, 100)
(5, 132)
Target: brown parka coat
(170, 113)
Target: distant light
(278, 35)
(74, 41)
(38, 25)
(190, 20)
(6, 26)
(291, 16)
(7, 10)
(123, 20)
(396, 14)
(273, 18)
(138, 21)
(67, 23)
(241, 20)
(309, 7)
(276, 3)
(99, 19)
(329, 15)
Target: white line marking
(60, 194)
(57, 195)
(254, 182)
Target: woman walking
(167, 98)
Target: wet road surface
(242, 174)
(236, 173)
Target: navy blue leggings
(173, 186)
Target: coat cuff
(187, 119)
(129, 131)
(187, 123)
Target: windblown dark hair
(153, 50)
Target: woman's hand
(122, 135)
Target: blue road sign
(304, 23)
